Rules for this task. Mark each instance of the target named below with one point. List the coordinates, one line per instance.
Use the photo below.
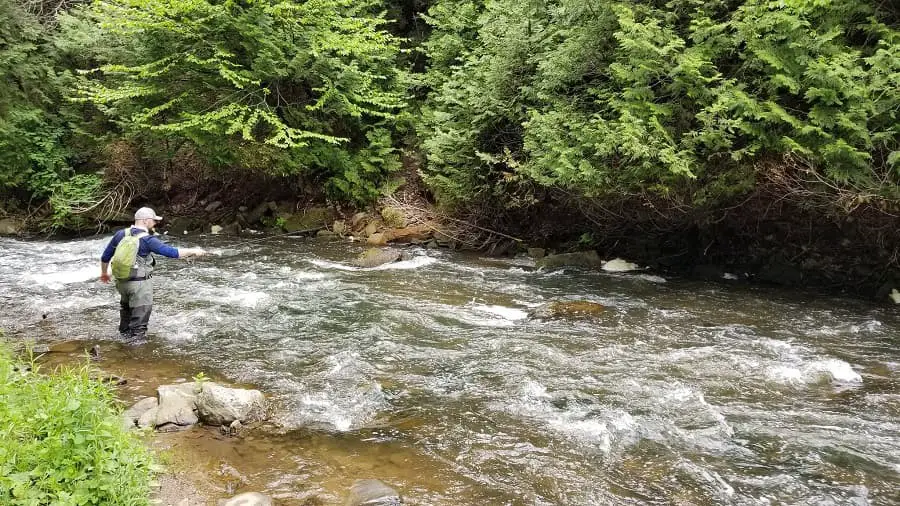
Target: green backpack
(125, 257)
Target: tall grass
(62, 441)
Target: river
(430, 375)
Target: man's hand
(104, 277)
(191, 252)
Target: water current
(430, 374)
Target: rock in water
(373, 257)
(218, 405)
(248, 499)
(895, 296)
(587, 259)
(372, 493)
(619, 265)
(568, 309)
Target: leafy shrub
(668, 97)
(62, 441)
(309, 88)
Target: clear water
(430, 375)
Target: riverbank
(202, 465)
(760, 242)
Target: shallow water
(430, 375)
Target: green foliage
(62, 441)
(289, 87)
(31, 151)
(669, 97)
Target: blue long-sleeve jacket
(149, 244)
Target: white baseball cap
(145, 213)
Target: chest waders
(137, 299)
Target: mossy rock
(569, 310)
(312, 218)
(393, 217)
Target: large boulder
(585, 259)
(311, 219)
(373, 257)
(372, 493)
(175, 408)
(248, 499)
(219, 405)
(131, 415)
(176, 405)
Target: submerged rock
(248, 499)
(218, 405)
(588, 259)
(373, 257)
(568, 309)
(372, 493)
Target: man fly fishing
(130, 253)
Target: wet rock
(218, 405)
(619, 265)
(325, 233)
(895, 296)
(372, 493)
(174, 409)
(233, 228)
(9, 226)
(257, 213)
(537, 253)
(586, 259)
(357, 219)
(339, 227)
(111, 379)
(377, 239)
(311, 219)
(131, 415)
(568, 309)
(176, 406)
(215, 229)
(371, 229)
(187, 391)
(232, 430)
(248, 499)
(213, 206)
(373, 257)
(182, 225)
